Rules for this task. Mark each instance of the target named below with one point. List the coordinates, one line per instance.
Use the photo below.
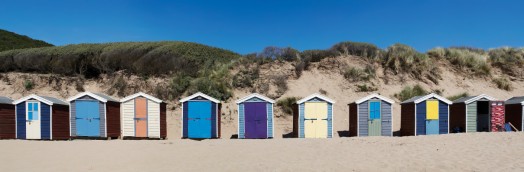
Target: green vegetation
(365, 88)
(509, 60)
(458, 96)
(356, 74)
(366, 50)
(245, 78)
(287, 104)
(28, 85)
(409, 92)
(464, 58)
(503, 83)
(10, 41)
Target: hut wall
(20, 121)
(214, 120)
(7, 121)
(387, 119)
(153, 119)
(421, 118)
(128, 122)
(301, 120)
(353, 119)
(60, 128)
(363, 115)
(241, 121)
(269, 120)
(184, 119)
(407, 119)
(113, 119)
(45, 121)
(471, 117)
(163, 120)
(457, 116)
(295, 120)
(443, 117)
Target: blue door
(87, 118)
(199, 119)
(432, 127)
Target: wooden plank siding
(7, 121)
(45, 121)
(387, 118)
(153, 119)
(421, 118)
(128, 115)
(113, 119)
(514, 114)
(60, 122)
(363, 115)
(295, 119)
(407, 119)
(443, 110)
(457, 117)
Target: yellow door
(315, 123)
(432, 110)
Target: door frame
(39, 118)
(99, 117)
(211, 116)
(147, 116)
(438, 116)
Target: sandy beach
(453, 152)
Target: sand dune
(453, 152)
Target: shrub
(317, 55)
(287, 104)
(356, 74)
(366, 50)
(464, 58)
(509, 60)
(503, 83)
(404, 59)
(245, 78)
(458, 96)
(28, 85)
(216, 83)
(322, 91)
(286, 54)
(365, 88)
(179, 85)
(281, 83)
(409, 92)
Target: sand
(453, 152)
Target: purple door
(256, 120)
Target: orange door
(140, 117)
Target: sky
(249, 26)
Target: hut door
(256, 120)
(199, 119)
(33, 129)
(315, 120)
(432, 117)
(87, 118)
(483, 116)
(140, 117)
(374, 122)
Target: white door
(32, 120)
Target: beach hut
(515, 112)
(42, 118)
(425, 115)
(94, 115)
(313, 117)
(201, 117)
(371, 116)
(476, 114)
(143, 116)
(255, 117)
(7, 118)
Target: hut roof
(470, 99)
(6, 100)
(201, 95)
(143, 95)
(418, 99)
(515, 100)
(99, 96)
(316, 95)
(44, 99)
(257, 96)
(374, 96)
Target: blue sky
(249, 26)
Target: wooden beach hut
(425, 115)
(481, 113)
(255, 117)
(42, 118)
(371, 116)
(200, 117)
(515, 112)
(143, 116)
(313, 117)
(94, 115)
(7, 118)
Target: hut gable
(418, 99)
(515, 100)
(255, 97)
(315, 97)
(471, 99)
(199, 96)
